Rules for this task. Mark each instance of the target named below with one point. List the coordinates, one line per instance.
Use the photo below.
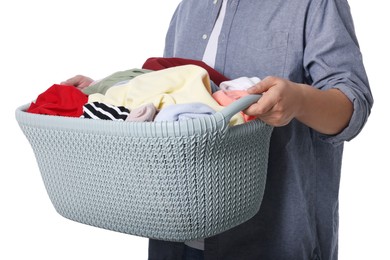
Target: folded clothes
(242, 83)
(184, 112)
(59, 100)
(176, 85)
(97, 110)
(101, 86)
(143, 113)
(158, 63)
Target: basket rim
(219, 121)
(142, 129)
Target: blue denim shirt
(305, 41)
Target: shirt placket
(223, 39)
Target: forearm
(326, 111)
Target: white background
(44, 42)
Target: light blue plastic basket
(173, 181)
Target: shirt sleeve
(332, 59)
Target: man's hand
(78, 81)
(280, 103)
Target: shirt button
(215, 2)
(204, 36)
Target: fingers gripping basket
(172, 181)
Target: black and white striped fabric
(97, 110)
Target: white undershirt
(209, 56)
(211, 49)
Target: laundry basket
(172, 181)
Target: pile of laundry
(165, 89)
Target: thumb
(262, 86)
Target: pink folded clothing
(226, 97)
(156, 63)
(59, 100)
(143, 113)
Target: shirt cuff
(357, 121)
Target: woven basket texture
(174, 188)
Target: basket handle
(239, 105)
